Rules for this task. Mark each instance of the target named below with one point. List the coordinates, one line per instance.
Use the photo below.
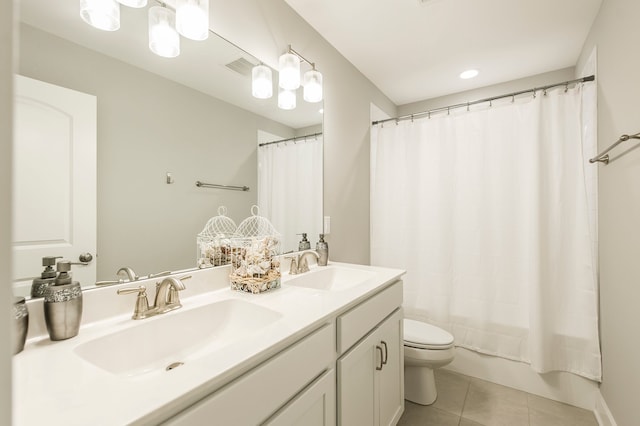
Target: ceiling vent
(241, 66)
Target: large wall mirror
(160, 125)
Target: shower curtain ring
(566, 88)
(544, 92)
(534, 94)
(467, 106)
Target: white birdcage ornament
(214, 241)
(255, 266)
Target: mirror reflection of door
(54, 180)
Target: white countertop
(53, 385)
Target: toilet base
(420, 385)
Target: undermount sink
(331, 278)
(173, 338)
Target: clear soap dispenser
(304, 243)
(47, 277)
(63, 305)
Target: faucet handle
(142, 303)
(293, 269)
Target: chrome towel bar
(215, 185)
(604, 157)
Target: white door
(54, 180)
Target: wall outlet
(327, 225)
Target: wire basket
(214, 241)
(255, 267)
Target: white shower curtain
(290, 188)
(489, 213)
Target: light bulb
(133, 3)
(261, 82)
(289, 69)
(468, 74)
(101, 14)
(192, 18)
(312, 86)
(286, 99)
(163, 38)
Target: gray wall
(265, 28)
(6, 122)
(616, 34)
(147, 126)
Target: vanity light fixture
(192, 19)
(101, 14)
(289, 79)
(286, 99)
(163, 38)
(312, 85)
(289, 69)
(261, 82)
(133, 3)
(465, 75)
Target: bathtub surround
(487, 210)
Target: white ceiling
(414, 50)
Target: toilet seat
(418, 334)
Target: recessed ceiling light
(468, 74)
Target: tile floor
(467, 401)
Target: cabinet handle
(386, 353)
(381, 363)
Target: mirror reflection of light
(261, 82)
(289, 68)
(163, 38)
(192, 19)
(312, 86)
(101, 14)
(286, 99)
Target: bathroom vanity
(325, 348)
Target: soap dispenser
(304, 243)
(63, 305)
(47, 277)
(323, 251)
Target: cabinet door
(315, 406)
(391, 382)
(357, 383)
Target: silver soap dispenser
(63, 305)
(323, 251)
(304, 244)
(47, 277)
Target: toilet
(426, 347)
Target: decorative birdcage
(214, 241)
(255, 267)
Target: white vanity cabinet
(371, 374)
(299, 379)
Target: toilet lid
(422, 335)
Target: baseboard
(602, 413)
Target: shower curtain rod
(295, 138)
(480, 101)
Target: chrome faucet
(128, 272)
(300, 264)
(167, 297)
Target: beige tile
(495, 405)
(543, 412)
(467, 422)
(421, 415)
(452, 391)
